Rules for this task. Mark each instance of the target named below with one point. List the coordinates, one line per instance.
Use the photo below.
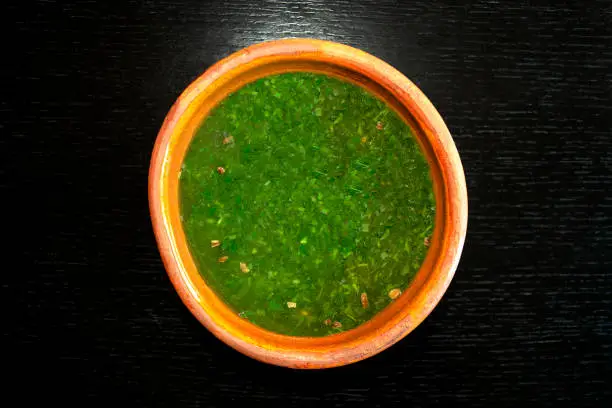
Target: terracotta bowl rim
(432, 280)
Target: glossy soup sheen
(307, 204)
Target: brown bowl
(341, 61)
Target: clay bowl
(434, 276)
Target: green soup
(307, 204)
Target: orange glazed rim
(424, 292)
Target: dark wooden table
(525, 89)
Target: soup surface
(307, 204)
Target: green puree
(325, 195)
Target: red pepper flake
(228, 140)
(220, 170)
(215, 243)
(223, 259)
(337, 325)
(244, 268)
(394, 293)
(327, 322)
(364, 300)
(427, 241)
(379, 125)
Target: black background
(525, 89)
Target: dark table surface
(525, 89)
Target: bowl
(353, 65)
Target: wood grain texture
(525, 89)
